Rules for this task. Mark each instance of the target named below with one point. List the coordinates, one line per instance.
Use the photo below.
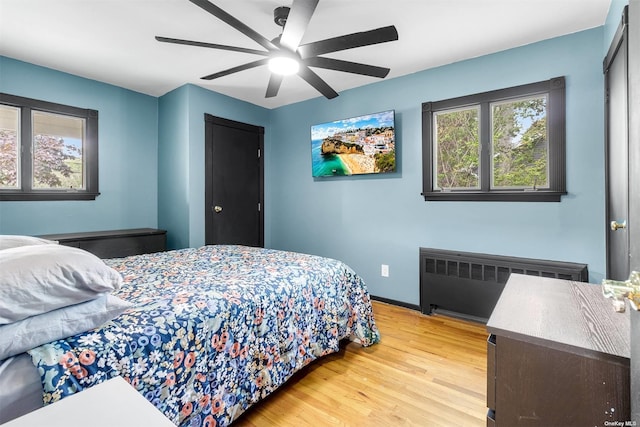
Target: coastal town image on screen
(359, 145)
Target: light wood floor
(426, 371)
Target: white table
(111, 403)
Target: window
(47, 151)
(504, 145)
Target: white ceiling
(113, 40)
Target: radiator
(469, 284)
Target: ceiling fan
(285, 55)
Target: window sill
(41, 196)
(502, 196)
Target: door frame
(633, 132)
(633, 112)
(208, 156)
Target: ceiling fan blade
(225, 17)
(274, 85)
(349, 41)
(314, 80)
(211, 45)
(347, 66)
(297, 23)
(243, 67)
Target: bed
(206, 332)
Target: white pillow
(8, 241)
(38, 279)
(26, 334)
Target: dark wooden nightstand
(558, 355)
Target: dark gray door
(617, 165)
(234, 182)
(622, 71)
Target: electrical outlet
(384, 270)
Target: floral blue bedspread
(213, 330)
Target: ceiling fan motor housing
(280, 15)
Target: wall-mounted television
(358, 145)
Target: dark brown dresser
(115, 243)
(558, 355)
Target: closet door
(234, 189)
(622, 77)
(617, 155)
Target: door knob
(615, 225)
(217, 209)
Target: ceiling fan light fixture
(283, 65)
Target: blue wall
(173, 167)
(181, 181)
(128, 152)
(151, 171)
(368, 221)
(152, 168)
